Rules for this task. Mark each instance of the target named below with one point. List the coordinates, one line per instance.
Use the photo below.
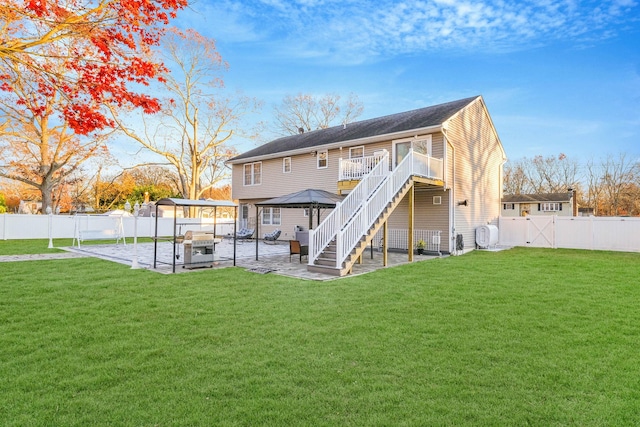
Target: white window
(323, 159)
(305, 212)
(356, 152)
(286, 165)
(508, 206)
(271, 216)
(550, 207)
(437, 200)
(253, 173)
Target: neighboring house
(562, 204)
(435, 168)
(586, 211)
(30, 207)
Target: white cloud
(362, 30)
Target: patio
(273, 258)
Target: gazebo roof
(198, 203)
(304, 199)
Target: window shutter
(560, 206)
(538, 206)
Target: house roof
(537, 198)
(394, 123)
(304, 199)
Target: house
(436, 169)
(30, 207)
(561, 204)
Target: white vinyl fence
(599, 233)
(65, 226)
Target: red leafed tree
(90, 51)
(36, 147)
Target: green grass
(40, 246)
(520, 337)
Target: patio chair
(295, 248)
(244, 234)
(273, 236)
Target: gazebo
(312, 199)
(187, 203)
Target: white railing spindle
(352, 218)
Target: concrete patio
(272, 258)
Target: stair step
(333, 271)
(325, 262)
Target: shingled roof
(415, 119)
(537, 198)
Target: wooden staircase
(326, 262)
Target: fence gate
(540, 231)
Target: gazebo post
(235, 231)
(257, 229)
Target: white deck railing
(427, 166)
(398, 238)
(363, 205)
(320, 237)
(350, 169)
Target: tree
(553, 174)
(135, 185)
(160, 179)
(305, 112)
(594, 187)
(89, 52)
(37, 149)
(219, 193)
(541, 175)
(3, 204)
(620, 184)
(193, 132)
(515, 180)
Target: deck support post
(385, 239)
(411, 217)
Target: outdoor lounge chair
(273, 236)
(295, 248)
(244, 233)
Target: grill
(199, 249)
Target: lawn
(37, 246)
(519, 337)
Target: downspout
(504, 160)
(452, 216)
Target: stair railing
(320, 237)
(360, 223)
(359, 211)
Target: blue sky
(557, 76)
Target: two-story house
(434, 168)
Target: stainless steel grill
(199, 249)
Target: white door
(244, 216)
(421, 145)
